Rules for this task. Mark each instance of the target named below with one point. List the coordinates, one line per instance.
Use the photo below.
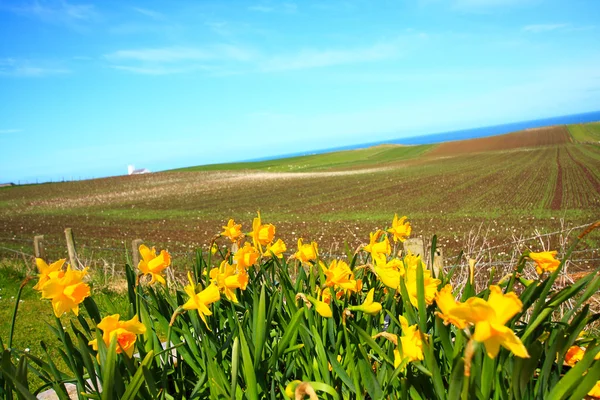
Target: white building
(132, 171)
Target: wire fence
(94, 255)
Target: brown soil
(528, 138)
(558, 194)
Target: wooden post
(38, 247)
(415, 246)
(438, 262)
(135, 252)
(71, 248)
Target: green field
(585, 133)
(335, 199)
(371, 156)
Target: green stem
(14, 316)
(72, 363)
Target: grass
(371, 156)
(585, 133)
(34, 314)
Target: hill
(329, 198)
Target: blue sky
(88, 88)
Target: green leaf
(260, 328)
(289, 332)
(235, 361)
(339, 371)
(247, 366)
(138, 379)
(369, 379)
(456, 380)
(573, 378)
(108, 370)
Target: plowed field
(517, 140)
(550, 186)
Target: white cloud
(260, 8)
(479, 6)
(286, 7)
(149, 13)
(539, 28)
(225, 59)
(2, 131)
(57, 11)
(27, 68)
(324, 58)
(180, 54)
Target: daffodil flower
(125, 331)
(411, 341)
(489, 318)
(320, 306)
(389, 272)
(400, 229)
(376, 247)
(339, 275)
(306, 252)
(227, 280)
(368, 306)
(232, 230)
(200, 301)
(262, 234)
(573, 355)
(66, 291)
(153, 264)
(277, 249)
(48, 271)
(545, 261)
(595, 392)
(446, 303)
(246, 256)
(430, 284)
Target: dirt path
(558, 188)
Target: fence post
(135, 252)
(415, 246)
(71, 248)
(38, 247)
(438, 262)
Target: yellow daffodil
(376, 247)
(306, 252)
(262, 234)
(125, 331)
(48, 271)
(321, 307)
(200, 301)
(573, 355)
(489, 318)
(232, 230)
(389, 272)
(227, 280)
(246, 257)
(400, 229)
(446, 302)
(66, 291)
(368, 306)
(277, 248)
(411, 341)
(545, 261)
(595, 392)
(430, 284)
(394, 339)
(153, 264)
(339, 275)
